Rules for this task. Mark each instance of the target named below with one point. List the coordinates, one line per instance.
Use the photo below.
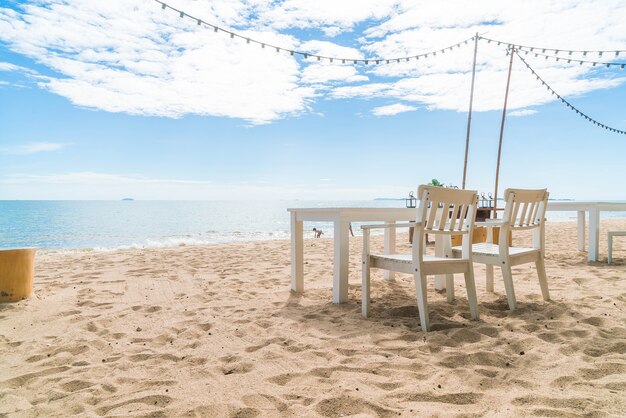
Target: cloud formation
(32, 148)
(393, 109)
(133, 57)
(522, 112)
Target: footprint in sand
(76, 385)
(158, 401)
(348, 406)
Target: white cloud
(7, 66)
(325, 73)
(522, 112)
(132, 57)
(393, 109)
(331, 15)
(32, 148)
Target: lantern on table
(411, 201)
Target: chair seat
(486, 248)
(432, 265)
(407, 258)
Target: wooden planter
(17, 268)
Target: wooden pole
(506, 98)
(469, 115)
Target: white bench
(611, 235)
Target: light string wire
(511, 48)
(569, 58)
(519, 47)
(565, 102)
(307, 55)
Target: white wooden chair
(610, 236)
(525, 210)
(441, 211)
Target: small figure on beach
(350, 228)
(318, 232)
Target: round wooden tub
(17, 268)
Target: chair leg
(543, 280)
(422, 304)
(365, 288)
(489, 270)
(508, 285)
(450, 287)
(470, 285)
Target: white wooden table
(341, 218)
(594, 209)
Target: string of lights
(570, 52)
(308, 55)
(569, 60)
(565, 102)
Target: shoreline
(159, 245)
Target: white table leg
(440, 280)
(297, 255)
(581, 230)
(594, 234)
(340, 268)
(390, 248)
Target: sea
(109, 225)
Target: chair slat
(464, 214)
(455, 215)
(522, 216)
(533, 217)
(514, 213)
(529, 214)
(431, 215)
(443, 217)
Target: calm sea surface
(103, 225)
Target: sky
(115, 99)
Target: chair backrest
(446, 211)
(525, 208)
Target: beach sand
(215, 331)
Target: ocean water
(103, 225)
(106, 225)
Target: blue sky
(104, 101)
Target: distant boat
(128, 198)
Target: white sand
(215, 331)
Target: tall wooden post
(469, 115)
(506, 98)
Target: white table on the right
(594, 208)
